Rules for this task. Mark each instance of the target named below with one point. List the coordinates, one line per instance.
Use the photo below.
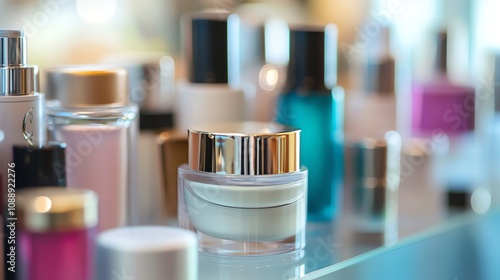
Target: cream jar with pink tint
(91, 114)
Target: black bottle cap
(155, 120)
(45, 166)
(457, 199)
(209, 54)
(441, 52)
(312, 64)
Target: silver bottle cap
(16, 77)
(375, 171)
(245, 148)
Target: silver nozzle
(16, 77)
(12, 48)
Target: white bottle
(21, 107)
(211, 95)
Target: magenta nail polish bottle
(57, 232)
(442, 106)
(444, 115)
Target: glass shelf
(432, 244)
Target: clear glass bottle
(57, 231)
(243, 191)
(313, 103)
(93, 117)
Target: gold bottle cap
(50, 209)
(88, 85)
(245, 148)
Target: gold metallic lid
(245, 148)
(88, 85)
(51, 209)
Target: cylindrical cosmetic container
(375, 183)
(155, 116)
(147, 252)
(173, 147)
(21, 107)
(44, 166)
(312, 102)
(93, 117)
(243, 191)
(212, 93)
(57, 233)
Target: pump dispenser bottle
(21, 107)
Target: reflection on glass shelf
(464, 248)
(434, 243)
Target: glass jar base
(219, 246)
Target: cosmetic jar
(243, 191)
(147, 252)
(57, 233)
(93, 116)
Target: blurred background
(92, 31)
(86, 31)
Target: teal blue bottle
(312, 102)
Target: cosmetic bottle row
(101, 168)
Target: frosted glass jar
(243, 191)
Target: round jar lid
(147, 252)
(245, 148)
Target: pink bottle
(58, 227)
(92, 115)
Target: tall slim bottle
(212, 93)
(93, 117)
(21, 107)
(313, 103)
(21, 112)
(445, 114)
